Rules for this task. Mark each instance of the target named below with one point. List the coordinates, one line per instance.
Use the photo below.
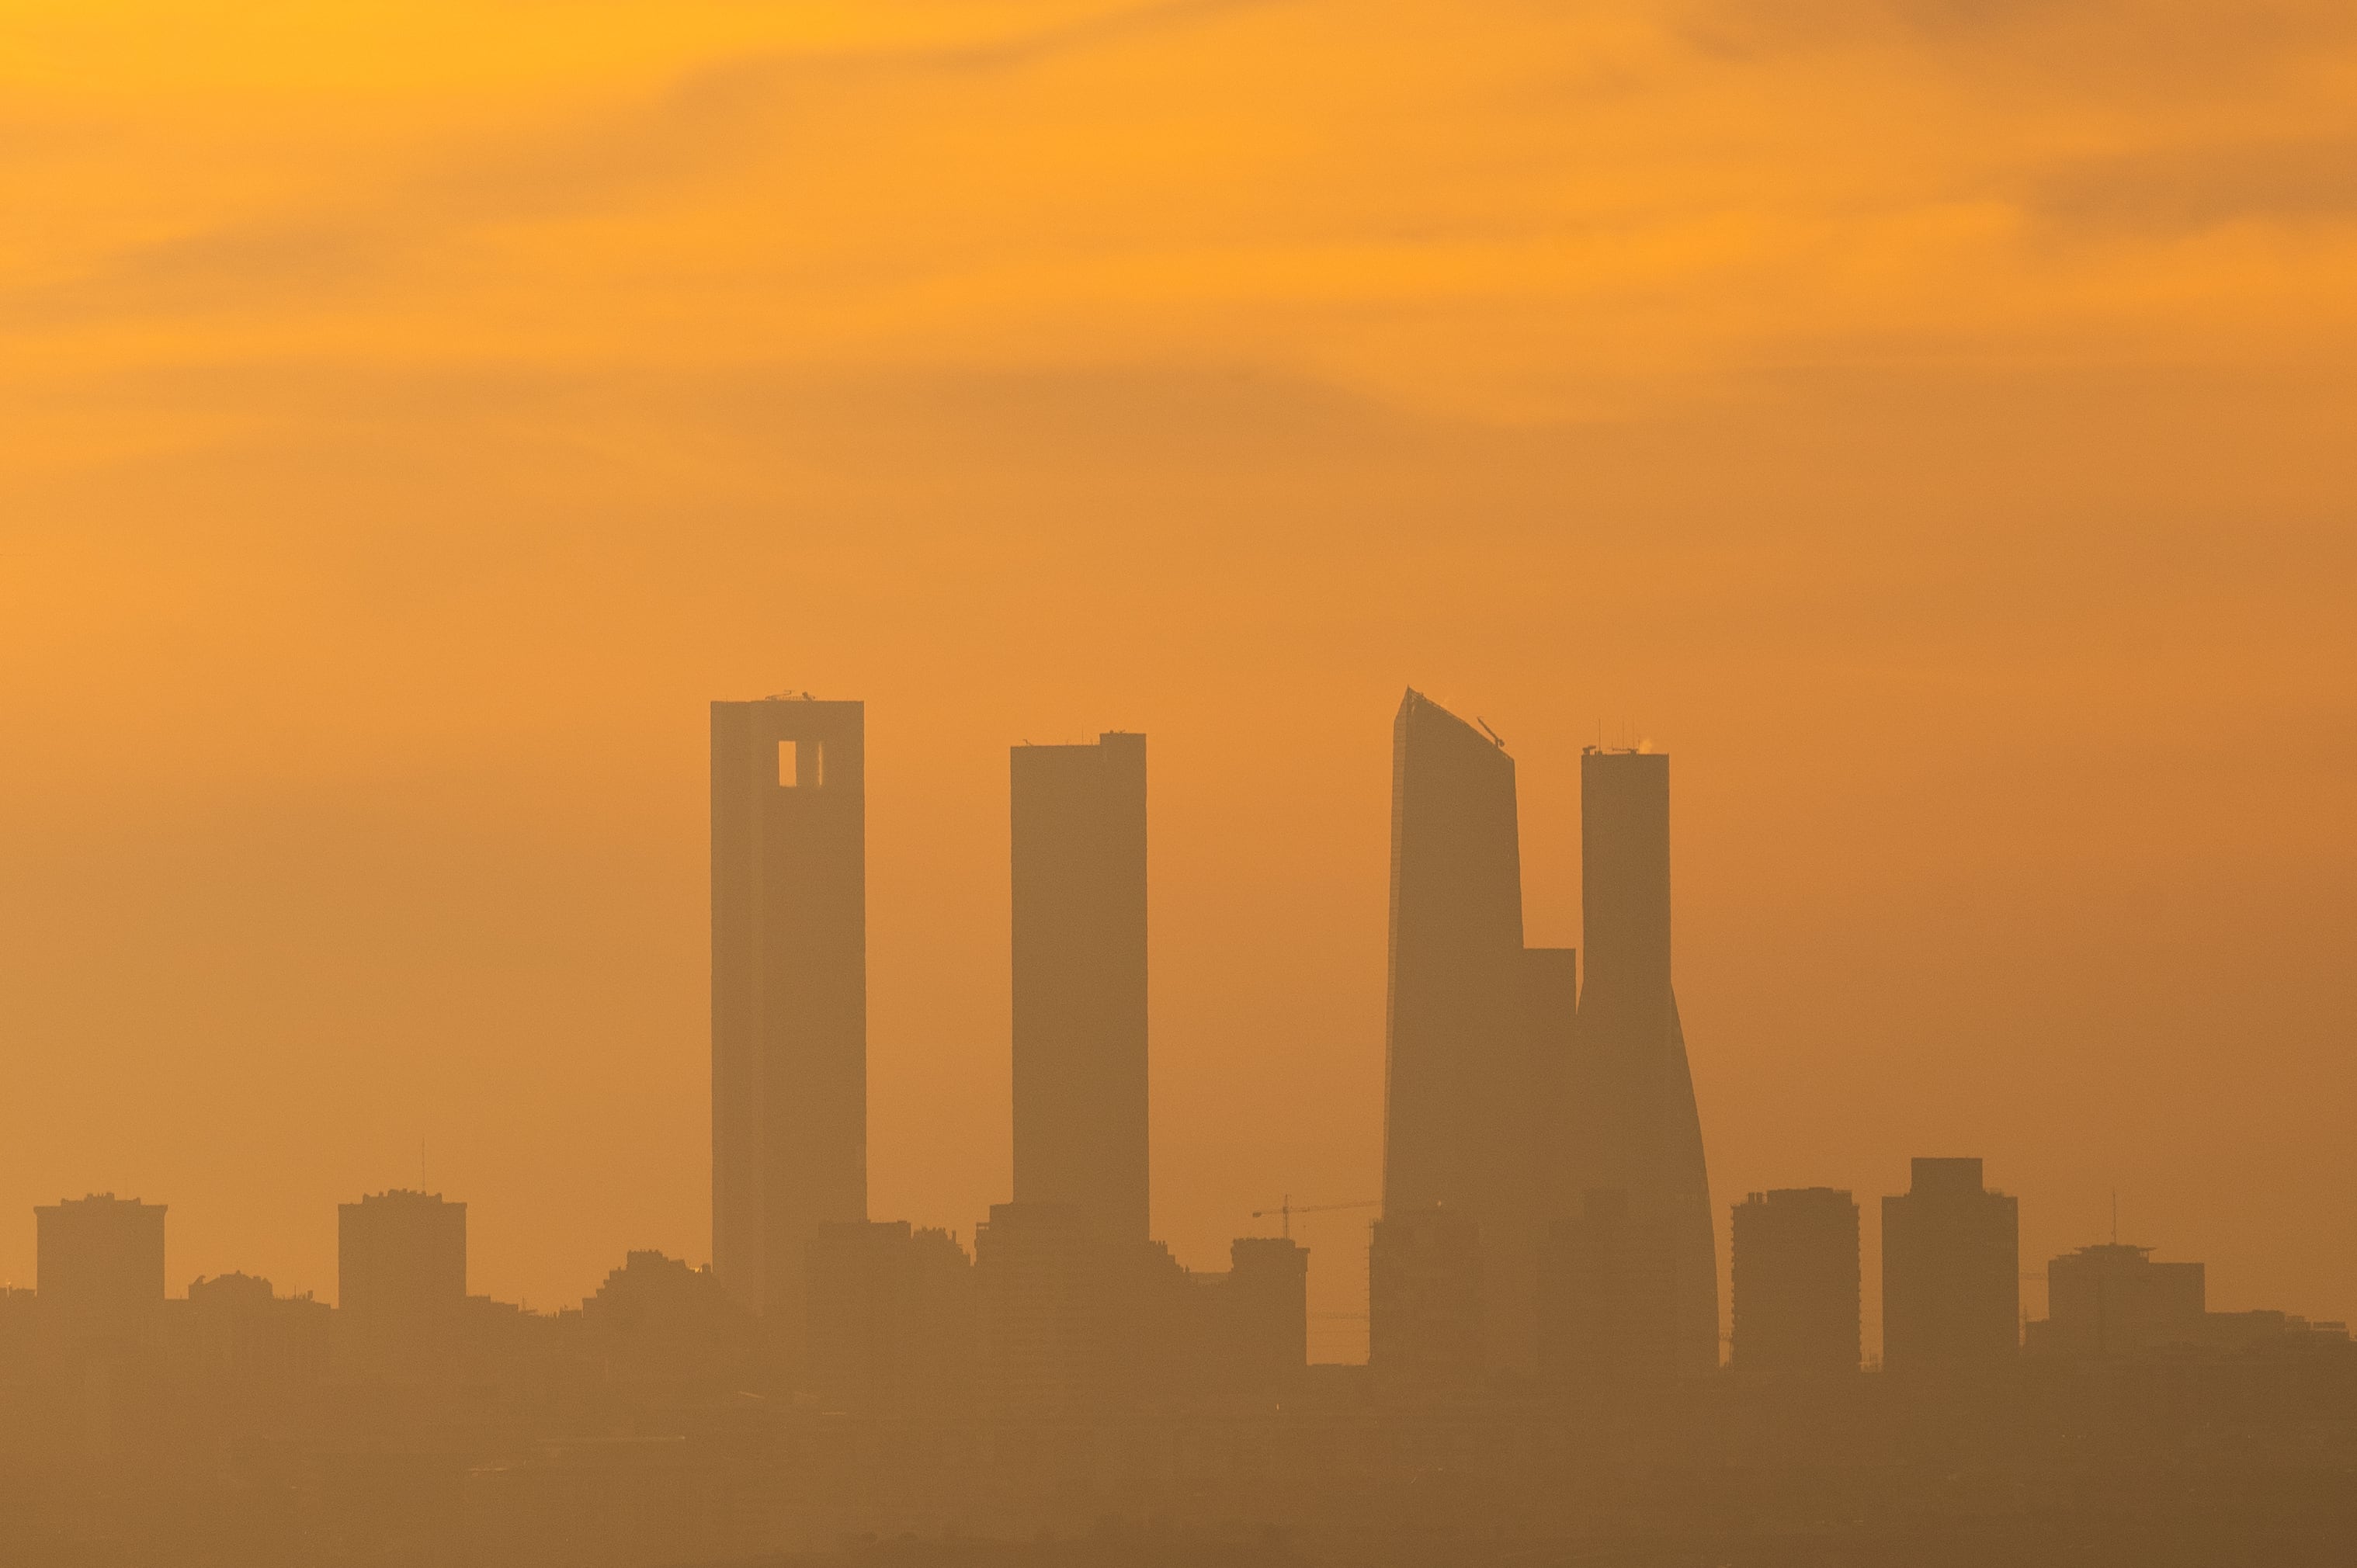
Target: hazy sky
(1929, 420)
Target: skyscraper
(1462, 1070)
(1079, 850)
(1634, 1127)
(789, 990)
(1951, 1262)
(1796, 1281)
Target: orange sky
(1926, 419)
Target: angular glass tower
(1462, 1071)
(1633, 1121)
(789, 991)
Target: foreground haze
(1927, 420)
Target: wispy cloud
(705, 126)
(2173, 190)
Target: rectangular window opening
(802, 764)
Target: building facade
(1077, 841)
(1262, 1341)
(1424, 1299)
(401, 1284)
(2113, 1300)
(1951, 1267)
(1608, 1300)
(1636, 1128)
(894, 1325)
(101, 1269)
(1796, 1282)
(789, 993)
(1045, 1277)
(1464, 1081)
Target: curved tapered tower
(1639, 1130)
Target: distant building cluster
(1543, 1242)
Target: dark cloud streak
(2179, 190)
(711, 122)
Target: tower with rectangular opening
(789, 991)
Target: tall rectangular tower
(789, 990)
(1079, 843)
(1639, 1130)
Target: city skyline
(413, 424)
(1088, 802)
(1205, 782)
(1540, 1284)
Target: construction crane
(1286, 1210)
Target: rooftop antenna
(2115, 1216)
(1493, 735)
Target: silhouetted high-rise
(1043, 1272)
(1607, 1299)
(894, 1319)
(1634, 1127)
(401, 1281)
(243, 1333)
(1951, 1267)
(100, 1262)
(789, 991)
(1263, 1340)
(1079, 850)
(1796, 1282)
(1462, 1097)
(1425, 1298)
(2110, 1299)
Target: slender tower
(1637, 1129)
(1079, 850)
(1463, 1078)
(789, 991)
